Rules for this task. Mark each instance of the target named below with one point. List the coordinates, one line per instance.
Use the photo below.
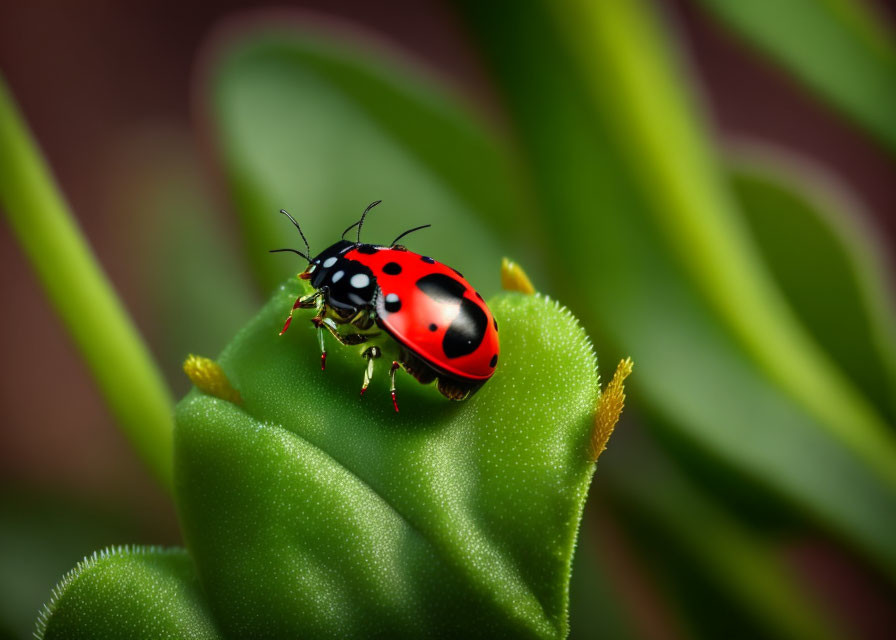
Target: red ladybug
(386, 299)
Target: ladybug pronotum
(388, 300)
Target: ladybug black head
(326, 261)
(349, 285)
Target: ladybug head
(325, 262)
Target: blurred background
(734, 519)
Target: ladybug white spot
(360, 280)
(393, 303)
(329, 262)
(336, 277)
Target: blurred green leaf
(839, 48)
(312, 512)
(621, 43)
(725, 576)
(41, 537)
(596, 609)
(612, 180)
(828, 265)
(193, 274)
(139, 593)
(318, 127)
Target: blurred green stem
(82, 296)
(699, 217)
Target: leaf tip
(513, 278)
(609, 408)
(208, 376)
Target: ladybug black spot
(442, 288)
(392, 268)
(427, 260)
(433, 327)
(495, 320)
(494, 361)
(466, 331)
(456, 271)
(367, 248)
(478, 295)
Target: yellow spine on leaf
(513, 278)
(609, 408)
(209, 377)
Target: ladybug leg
(318, 321)
(323, 349)
(348, 339)
(302, 302)
(289, 317)
(371, 354)
(392, 379)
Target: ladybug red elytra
(387, 299)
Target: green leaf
(320, 127)
(827, 263)
(626, 200)
(195, 281)
(695, 214)
(128, 592)
(312, 512)
(41, 537)
(839, 48)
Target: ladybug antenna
(307, 246)
(360, 222)
(409, 231)
(350, 228)
(293, 251)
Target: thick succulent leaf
(336, 516)
(843, 51)
(312, 124)
(828, 265)
(140, 593)
(622, 273)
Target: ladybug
(390, 301)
